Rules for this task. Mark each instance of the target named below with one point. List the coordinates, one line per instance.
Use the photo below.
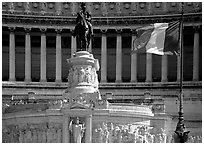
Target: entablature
(129, 22)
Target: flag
(158, 38)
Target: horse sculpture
(82, 33)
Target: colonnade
(134, 58)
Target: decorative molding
(12, 29)
(58, 30)
(103, 30)
(104, 8)
(134, 31)
(119, 31)
(82, 74)
(69, 22)
(196, 28)
(43, 30)
(27, 29)
(11, 7)
(33, 133)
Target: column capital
(119, 30)
(196, 28)
(72, 30)
(43, 30)
(12, 29)
(89, 116)
(103, 30)
(27, 29)
(27, 7)
(134, 31)
(58, 30)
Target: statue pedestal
(82, 94)
(82, 79)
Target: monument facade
(38, 100)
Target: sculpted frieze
(82, 74)
(32, 133)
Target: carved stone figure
(100, 134)
(77, 130)
(59, 134)
(28, 135)
(81, 75)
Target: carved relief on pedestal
(82, 74)
(88, 100)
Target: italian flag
(158, 38)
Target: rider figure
(86, 16)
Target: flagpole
(180, 135)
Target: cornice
(129, 22)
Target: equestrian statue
(83, 29)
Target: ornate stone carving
(196, 29)
(157, 5)
(12, 29)
(11, 7)
(27, 7)
(118, 8)
(119, 31)
(82, 74)
(27, 29)
(58, 6)
(134, 31)
(66, 5)
(35, 5)
(104, 9)
(103, 31)
(73, 8)
(58, 30)
(33, 133)
(96, 5)
(43, 30)
(55, 104)
(142, 5)
(43, 8)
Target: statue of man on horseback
(83, 29)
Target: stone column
(104, 56)
(65, 130)
(12, 55)
(73, 45)
(88, 133)
(27, 55)
(90, 47)
(119, 56)
(43, 56)
(133, 60)
(196, 55)
(164, 68)
(178, 68)
(58, 56)
(148, 67)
